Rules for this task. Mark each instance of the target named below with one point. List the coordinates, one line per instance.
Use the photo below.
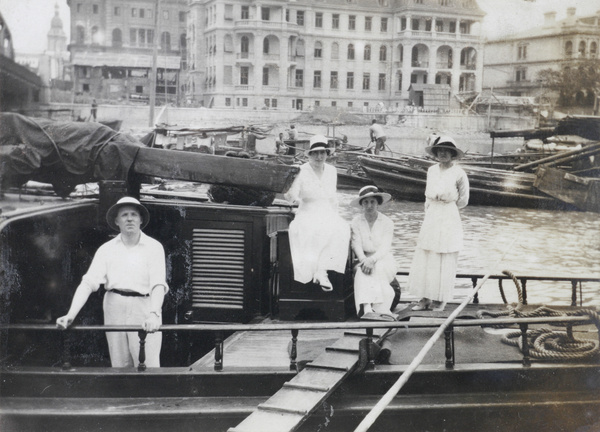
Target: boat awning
(125, 60)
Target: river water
(528, 242)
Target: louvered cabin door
(222, 258)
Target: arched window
(350, 52)
(266, 46)
(117, 38)
(593, 49)
(367, 52)
(318, 49)
(245, 45)
(335, 51)
(165, 41)
(569, 48)
(581, 49)
(95, 36)
(382, 53)
(80, 35)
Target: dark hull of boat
(583, 193)
(496, 397)
(406, 179)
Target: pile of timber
(581, 161)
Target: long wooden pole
(579, 152)
(393, 391)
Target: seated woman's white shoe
(324, 281)
(424, 304)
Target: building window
(227, 101)
(350, 52)
(317, 79)
(335, 51)
(444, 2)
(439, 26)
(367, 53)
(245, 46)
(181, 16)
(317, 103)
(265, 13)
(245, 12)
(333, 80)
(287, 15)
(142, 13)
(245, 102)
(80, 31)
(299, 78)
(521, 75)
(384, 26)
(265, 76)
(368, 23)
(350, 104)
(228, 12)
(352, 22)
(333, 103)
(381, 85)
(273, 103)
(79, 7)
(350, 80)
(382, 2)
(117, 38)
(593, 49)
(415, 24)
(366, 84)
(85, 87)
(465, 28)
(134, 12)
(300, 18)
(95, 9)
(382, 53)
(569, 48)
(581, 50)
(335, 21)
(117, 11)
(266, 46)
(319, 20)
(244, 71)
(522, 52)
(166, 15)
(452, 27)
(318, 50)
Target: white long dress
(375, 242)
(319, 237)
(433, 269)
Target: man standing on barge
(378, 136)
(132, 268)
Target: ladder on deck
(287, 409)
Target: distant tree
(577, 84)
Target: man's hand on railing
(64, 321)
(152, 323)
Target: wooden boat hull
(583, 193)
(406, 179)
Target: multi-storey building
(112, 48)
(346, 53)
(512, 63)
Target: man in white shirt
(132, 269)
(378, 135)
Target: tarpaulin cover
(64, 154)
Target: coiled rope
(544, 343)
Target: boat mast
(154, 61)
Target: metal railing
(219, 330)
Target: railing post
(142, 357)
(525, 349)
(573, 293)
(294, 350)
(449, 336)
(524, 286)
(476, 296)
(219, 351)
(370, 354)
(66, 354)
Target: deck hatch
(218, 268)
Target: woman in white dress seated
(319, 237)
(372, 234)
(433, 269)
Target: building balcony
(271, 57)
(420, 64)
(242, 26)
(270, 88)
(444, 65)
(245, 88)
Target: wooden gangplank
(293, 404)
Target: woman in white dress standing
(319, 237)
(433, 268)
(372, 234)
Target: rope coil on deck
(544, 343)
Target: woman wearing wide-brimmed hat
(372, 234)
(433, 268)
(319, 237)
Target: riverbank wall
(136, 117)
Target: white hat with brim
(444, 142)
(318, 142)
(112, 212)
(368, 192)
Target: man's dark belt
(128, 293)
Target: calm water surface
(533, 242)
